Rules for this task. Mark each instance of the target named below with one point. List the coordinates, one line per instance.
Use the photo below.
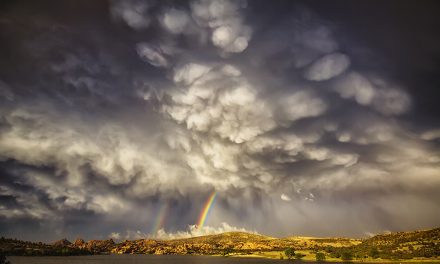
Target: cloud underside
(286, 133)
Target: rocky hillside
(25, 248)
(401, 245)
(94, 246)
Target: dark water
(144, 259)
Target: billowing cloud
(194, 231)
(136, 129)
(218, 100)
(115, 236)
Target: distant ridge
(229, 236)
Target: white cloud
(151, 54)
(327, 67)
(318, 38)
(223, 36)
(300, 105)
(344, 159)
(431, 134)
(29, 206)
(106, 204)
(223, 18)
(115, 236)
(175, 20)
(391, 101)
(220, 101)
(190, 72)
(356, 86)
(194, 231)
(135, 235)
(285, 197)
(132, 12)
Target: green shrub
(346, 255)
(320, 256)
(299, 256)
(374, 253)
(289, 252)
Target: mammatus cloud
(133, 12)
(357, 87)
(175, 20)
(152, 55)
(225, 23)
(327, 67)
(284, 131)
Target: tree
(299, 256)
(335, 254)
(320, 256)
(346, 255)
(289, 252)
(374, 253)
(227, 251)
(3, 259)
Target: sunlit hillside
(417, 245)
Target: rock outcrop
(62, 243)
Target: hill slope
(401, 245)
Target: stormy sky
(121, 118)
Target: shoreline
(250, 256)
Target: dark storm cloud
(121, 108)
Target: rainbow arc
(160, 218)
(206, 209)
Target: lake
(138, 259)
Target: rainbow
(206, 208)
(160, 218)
